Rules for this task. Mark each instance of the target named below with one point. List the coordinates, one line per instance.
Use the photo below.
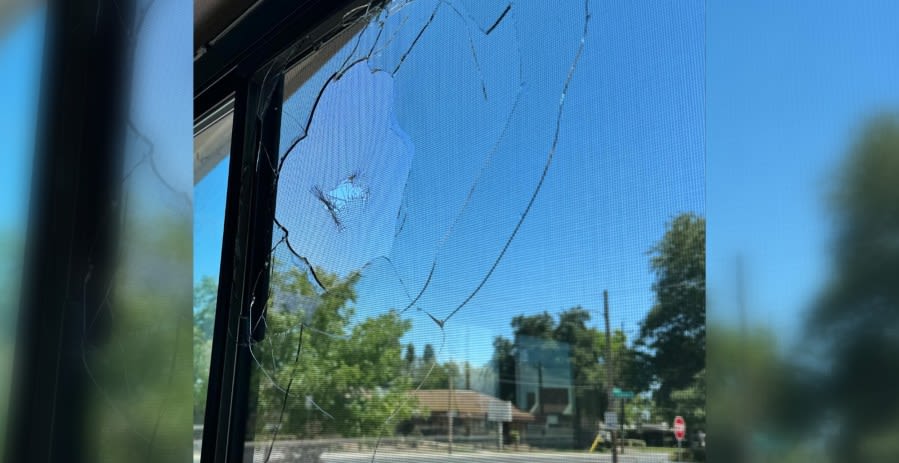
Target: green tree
(410, 355)
(339, 377)
(205, 293)
(854, 323)
(322, 372)
(539, 326)
(690, 402)
(674, 329)
(428, 357)
(8, 298)
(572, 331)
(430, 374)
(748, 378)
(583, 348)
(141, 369)
(503, 362)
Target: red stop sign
(680, 428)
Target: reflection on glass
(21, 39)
(140, 406)
(461, 183)
(211, 156)
(803, 255)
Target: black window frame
(245, 67)
(73, 226)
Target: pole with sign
(680, 431)
(499, 411)
(610, 373)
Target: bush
(695, 454)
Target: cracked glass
(21, 40)
(489, 232)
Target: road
(480, 456)
(394, 456)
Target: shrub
(695, 454)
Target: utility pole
(742, 378)
(610, 371)
(451, 412)
(467, 376)
(540, 387)
(621, 402)
(741, 295)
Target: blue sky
(785, 94)
(163, 68)
(788, 88)
(20, 50)
(163, 95)
(630, 157)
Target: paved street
(480, 456)
(485, 457)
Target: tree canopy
(321, 371)
(855, 321)
(674, 329)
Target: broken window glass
(21, 38)
(459, 185)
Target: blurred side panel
(803, 242)
(141, 400)
(102, 360)
(21, 39)
(72, 229)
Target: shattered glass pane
(459, 183)
(21, 38)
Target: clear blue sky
(163, 100)
(789, 85)
(20, 52)
(20, 62)
(786, 87)
(630, 157)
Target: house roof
(464, 402)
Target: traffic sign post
(611, 419)
(499, 411)
(680, 431)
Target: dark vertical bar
(260, 246)
(610, 371)
(72, 236)
(249, 212)
(216, 425)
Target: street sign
(619, 394)
(611, 419)
(499, 410)
(680, 428)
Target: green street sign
(619, 394)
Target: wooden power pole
(450, 414)
(610, 371)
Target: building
(470, 420)
(544, 388)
